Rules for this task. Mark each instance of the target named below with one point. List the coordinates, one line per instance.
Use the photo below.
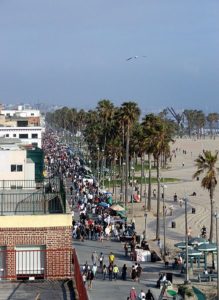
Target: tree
(212, 119)
(206, 163)
(129, 114)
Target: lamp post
(164, 219)
(123, 176)
(102, 169)
(132, 195)
(217, 242)
(186, 242)
(145, 192)
(145, 226)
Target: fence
(82, 292)
(30, 203)
(38, 264)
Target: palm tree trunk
(211, 217)
(149, 182)
(158, 199)
(127, 166)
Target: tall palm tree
(206, 163)
(129, 114)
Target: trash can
(138, 239)
(173, 224)
(193, 210)
(170, 277)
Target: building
(35, 224)
(23, 124)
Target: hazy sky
(74, 52)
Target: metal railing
(53, 183)
(48, 197)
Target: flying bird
(132, 57)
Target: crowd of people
(96, 220)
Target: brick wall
(57, 241)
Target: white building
(16, 166)
(21, 112)
(28, 135)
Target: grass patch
(140, 180)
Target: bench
(203, 277)
(206, 277)
(212, 276)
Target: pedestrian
(149, 296)
(141, 295)
(138, 272)
(101, 258)
(94, 269)
(94, 257)
(124, 272)
(110, 272)
(126, 249)
(133, 294)
(84, 278)
(104, 272)
(133, 273)
(111, 258)
(115, 272)
(90, 278)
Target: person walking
(138, 272)
(124, 272)
(141, 295)
(133, 294)
(111, 258)
(101, 259)
(110, 272)
(90, 278)
(115, 272)
(133, 273)
(94, 270)
(104, 272)
(149, 296)
(94, 257)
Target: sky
(73, 53)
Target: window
(13, 168)
(7, 135)
(23, 136)
(34, 136)
(32, 114)
(14, 135)
(16, 168)
(19, 168)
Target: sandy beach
(181, 167)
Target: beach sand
(181, 167)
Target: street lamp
(123, 176)
(217, 242)
(145, 226)
(145, 192)
(132, 195)
(164, 219)
(186, 242)
(102, 168)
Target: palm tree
(206, 163)
(129, 114)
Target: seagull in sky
(132, 57)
